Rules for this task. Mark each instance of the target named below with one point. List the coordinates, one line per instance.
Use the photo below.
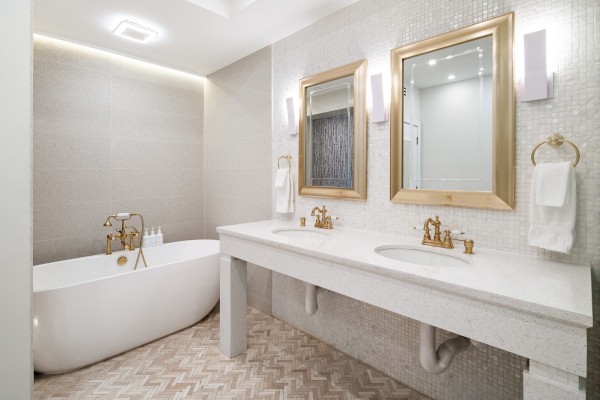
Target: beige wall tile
(71, 185)
(144, 95)
(141, 183)
(94, 157)
(133, 123)
(70, 100)
(48, 49)
(68, 220)
(163, 211)
(70, 151)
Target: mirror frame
(359, 179)
(502, 196)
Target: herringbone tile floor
(282, 362)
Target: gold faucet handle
(302, 221)
(448, 238)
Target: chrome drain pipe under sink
(438, 361)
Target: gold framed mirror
(332, 158)
(452, 118)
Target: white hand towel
(285, 193)
(551, 228)
(282, 177)
(552, 183)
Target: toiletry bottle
(152, 238)
(146, 239)
(159, 237)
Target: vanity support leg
(234, 326)
(544, 382)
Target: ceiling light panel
(136, 32)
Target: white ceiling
(190, 38)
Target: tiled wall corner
(111, 135)
(237, 162)
(369, 29)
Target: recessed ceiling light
(136, 32)
(432, 62)
(481, 69)
(449, 57)
(450, 77)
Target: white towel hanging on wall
(551, 226)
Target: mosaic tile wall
(370, 29)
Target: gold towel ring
(288, 158)
(555, 141)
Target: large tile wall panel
(237, 155)
(369, 29)
(112, 135)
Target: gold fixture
(555, 141)
(469, 246)
(502, 196)
(122, 261)
(437, 235)
(126, 232)
(286, 157)
(302, 221)
(358, 191)
(323, 220)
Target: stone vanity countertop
(544, 287)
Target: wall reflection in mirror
(447, 127)
(329, 133)
(332, 161)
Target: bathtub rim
(124, 252)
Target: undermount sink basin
(422, 256)
(300, 233)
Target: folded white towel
(552, 183)
(282, 177)
(285, 192)
(552, 227)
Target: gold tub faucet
(323, 221)
(126, 232)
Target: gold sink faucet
(323, 221)
(437, 235)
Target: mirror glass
(332, 159)
(448, 118)
(452, 118)
(329, 133)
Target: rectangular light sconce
(378, 111)
(538, 83)
(291, 127)
(136, 32)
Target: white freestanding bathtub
(88, 309)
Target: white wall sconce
(378, 111)
(538, 82)
(291, 126)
